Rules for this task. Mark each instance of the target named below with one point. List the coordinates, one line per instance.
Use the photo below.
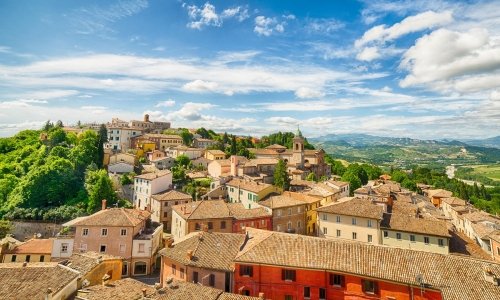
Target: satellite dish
(38, 235)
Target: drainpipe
(411, 292)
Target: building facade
(162, 203)
(148, 184)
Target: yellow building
(215, 155)
(312, 203)
(94, 266)
(34, 250)
(249, 192)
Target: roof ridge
(127, 216)
(242, 252)
(197, 206)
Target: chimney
(25, 264)
(103, 204)
(144, 289)
(48, 294)
(261, 296)
(189, 254)
(146, 118)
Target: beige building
(453, 208)
(479, 225)
(203, 143)
(289, 213)
(163, 141)
(148, 184)
(123, 157)
(119, 138)
(162, 203)
(37, 281)
(33, 250)
(341, 186)
(351, 219)
(435, 196)
(192, 153)
(120, 232)
(205, 258)
(149, 126)
(248, 192)
(214, 155)
(219, 168)
(210, 215)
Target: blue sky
(422, 69)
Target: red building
(285, 266)
(257, 218)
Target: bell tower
(298, 149)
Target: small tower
(298, 149)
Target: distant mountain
(404, 152)
(493, 142)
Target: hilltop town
(175, 213)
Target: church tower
(298, 149)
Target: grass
(490, 171)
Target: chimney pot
(103, 204)
(144, 292)
(190, 254)
(261, 295)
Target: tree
(311, 177)
(102, 138)
(98, 186)
(399, 176)
(48, 126)
(5, 228)
(225, 138)
(182, 160)
(57, 136)
(354, 181)
(281, 178)
(59, 124)
(233, 146)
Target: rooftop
(33, 280)
(439, 193)
(457, 277)
(211, 250)
(33, 246)
(201, 210)
(86, 262)
(354, 207)
(409, 223)
(251, 186)
(172, 195)
(154, 175)
(281, 201)
(454, 201)
(162, 136)
(239, 212)
(215, 152)
(125, 217)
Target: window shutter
(293, 275)
(342, 281)
(331, 279)
(375, 287)
(251, 271)
(241, 270)
(283, 274)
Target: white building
(341, 186)
(119, 137)
(146, 185)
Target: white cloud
(368, 54)
(200, 86)
(450, 61)
(159, 48)
(323, 26)
(305, 92)
(206, 15)
(166, 103)
(266, 26)
(410, 24)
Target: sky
(420, 69)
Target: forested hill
(49, 174)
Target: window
(288, 275)
(246, 271)
(123, 232)
(85, 231)
(223, 225)
(325, 217)
(141, 248)
(337, 280)
(299, 224)
(426, 240)
(122, 248)
(174, 270)
(441, 242)
(307, 292)
(278, 227)
(288, 297)
(13, 258)
(263, 222)
(83, 247)
(104, 231)
(165, 214)
(211, 280)
(354, 235)
(140, 268)
(289, 211)
(210, 225)
(386, 234)
(353, 221)
(338, 233)
(412, 238)
(338, 219)
(398, 235)
(369, 223)
(322, 293)
(195, 277)
(181, 273)
(289, 225)
(64, 248)
(28, 257)
(102, 248)
(279, 212)
(299, 209)
(42, 258)
(325, 230)
(125, 268)
(369, 287)
(197, 226)
(370, 238)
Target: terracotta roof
(86, 262)
(408, 223)
(172, 195)
(337, 183)
(177, 290)
(218, 192)
(162, 136)
(239, 212)
(124, 289)
(495, 235)
(201, 210)
(33, 246)
(301, 197)
(115, 217)
(439, 193)
(154, 175)
(261, 161)
(454, 201)
(251, 186)
(275, 146)
(215, 152)
(354, 207)
(222, 162)
(33, 280)
(280, 201)
(212, 250)
(457, 277)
